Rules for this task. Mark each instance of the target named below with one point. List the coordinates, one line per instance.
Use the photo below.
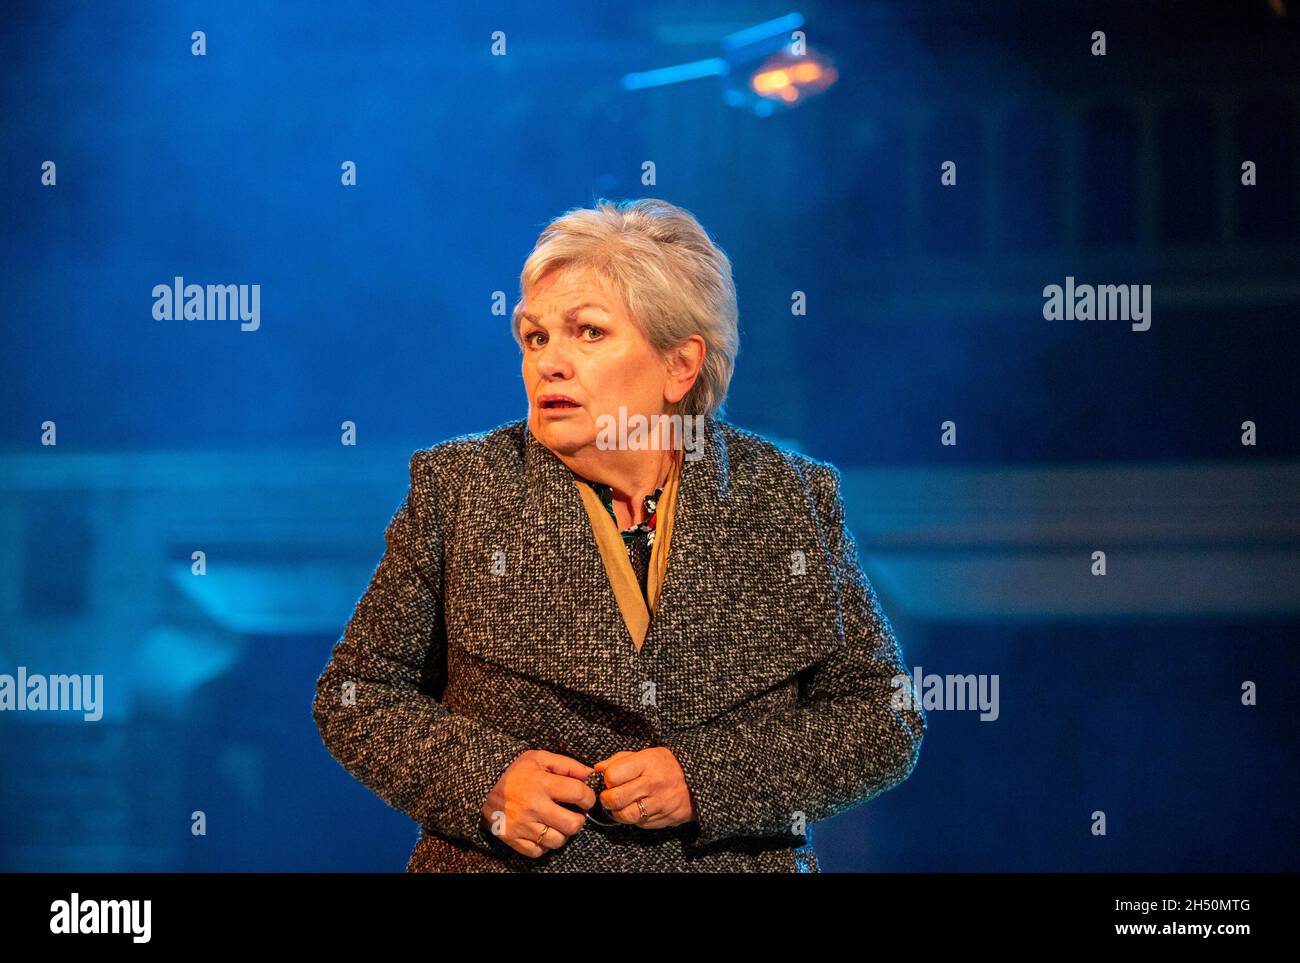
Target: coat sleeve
(854, 733)
(374, 704)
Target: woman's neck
(631, 477)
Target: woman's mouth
(559, 404)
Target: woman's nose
(554, 362)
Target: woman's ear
(684, 363)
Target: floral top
(639, 539)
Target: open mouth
(559, 404)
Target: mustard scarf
(627, 590)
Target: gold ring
(644, 815)
(544, 832)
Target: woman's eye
(528, 338)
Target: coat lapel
(732, 621)
(574, 634)
(735, 618)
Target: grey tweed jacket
(490, 627)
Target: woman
(590, 646)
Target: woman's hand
(655, 778)
(526, 800)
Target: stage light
(790, 73)
(789, 79)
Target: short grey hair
(674, 281)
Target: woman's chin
(564, 434)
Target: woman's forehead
(572, 277)
(567, 299)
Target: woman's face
(579, 342)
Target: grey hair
(674, 281)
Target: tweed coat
(490, 627)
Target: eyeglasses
(601, 822)
(597, 782)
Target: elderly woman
(621, 634)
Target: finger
(626, 794)
(606, 761)
(526, 846)
(621, 770)
(567, 821)
(553, 839)
(631, 815)
(657, 821)
(563, 765)
(563, 789)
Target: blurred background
(819, 174)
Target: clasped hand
(524, 807)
